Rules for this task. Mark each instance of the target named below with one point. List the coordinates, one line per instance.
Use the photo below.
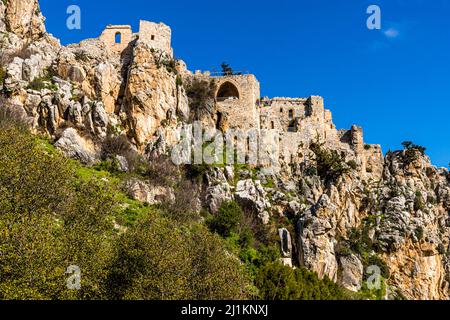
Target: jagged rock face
(2, 17)
(317, 238)
(218, 189)
(252, 195)
(152, 96)
(24, 18)
(27, 51)
(409, 206)
(419, 271)
(97, 72)
(414, 231)
(351, 275)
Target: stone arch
(227, 90)
(118, 37)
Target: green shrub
(179, 81)
(375, 293)
(39, 84)
(2, 76)
(412, 152)
(352, 164)
(419, 233)
(246, 238)
(228, 219)
(330, 165)
(201, 95)
(441, 249)
(278, 282)
(311, 171)
(419, 203)
(375, 260)
(156, 260)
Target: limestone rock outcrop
(152, 95)
(252, 195)
(146, 193)
(24, 18)
(77, 147)
(352, 272)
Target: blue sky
(393, 82)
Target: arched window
(227, 91)
(118, 38)
(272, 125)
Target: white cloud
(391, 33)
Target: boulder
(351, 275)
(139, 190)
(216, 195)
(76, 147)
(251, 195)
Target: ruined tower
(237, 98)
(117, 37)
(157, 36)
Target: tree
(49, 220)
(157, 260)
(330, 165)
(151, 262)
(201, 95)
(216, 274)
(412, 152)
(226, 69)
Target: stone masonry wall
(157, 35)
(109, 37)
(241, 113)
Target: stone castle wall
(156, 35)
(237, 97)
(117, 37)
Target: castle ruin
(157, 35)
(239, 105)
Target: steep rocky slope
(338, 214)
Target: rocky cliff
(342, 209)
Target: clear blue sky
(393, 82)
